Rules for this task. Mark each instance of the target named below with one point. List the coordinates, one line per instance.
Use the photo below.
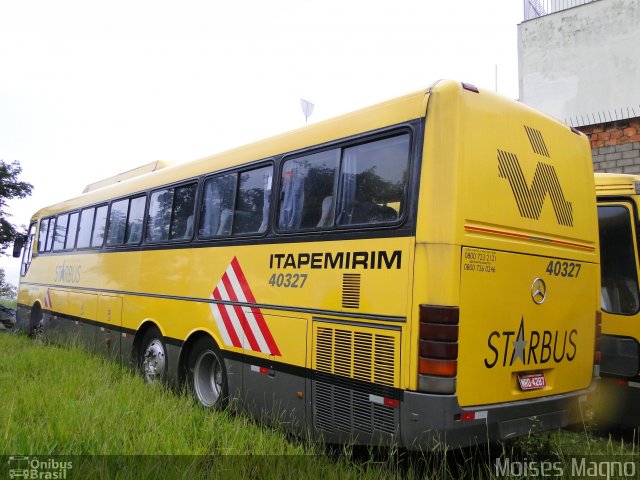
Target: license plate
(531, 381)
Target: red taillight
(439, 314)
(433, 331)
(596, 346)
(444, 350)
(438, 349)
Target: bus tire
(207, 375)
(36, 322)
(152, 359)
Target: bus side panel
(275, 391)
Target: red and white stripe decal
(47, 299)
(241, 327)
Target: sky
(91, 89)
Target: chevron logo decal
(530, 199)
(240, 322)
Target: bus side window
(50, 232)
(159, 215)
(218, 202)
(252, 204)
(61, 232)
(184, 200)
(42, 235)
(97, 236)
(71, 234)
(171, 213)
(84, 227)
(306, 183)
(134, 220)
(373, 180)
(117, 222)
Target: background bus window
(84, 230)
(618, 261)
(251, 213)
(97, 237)
(61, 232)
(307, 183)
(373, 181)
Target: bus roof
(616, 184)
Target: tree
(10, 188)
(7, 290)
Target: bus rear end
(506, 272)
(618, 201)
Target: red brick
(604, 135)
(616, 134)
(597, 129)
(635, 122)
(611, 141)
(635, 138)
(629, 131)
(597, 144)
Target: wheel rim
(154, 361)
(207, 378)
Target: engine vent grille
(353, 365)
(365, 354)
(343, 406)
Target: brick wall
(615, 146)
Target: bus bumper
(430, 421)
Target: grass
(64, 401)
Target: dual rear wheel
(206, 373)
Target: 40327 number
(563, 269)
(288, 280)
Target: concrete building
(579, 62)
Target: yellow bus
(420, 272)
(618, 198)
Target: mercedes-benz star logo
(538, 291)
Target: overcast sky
(91, 89)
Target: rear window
(618, 261)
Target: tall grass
(64, 401)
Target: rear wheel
(153, 356)
(207, 374)
(36, 323)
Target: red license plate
(531, 381)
